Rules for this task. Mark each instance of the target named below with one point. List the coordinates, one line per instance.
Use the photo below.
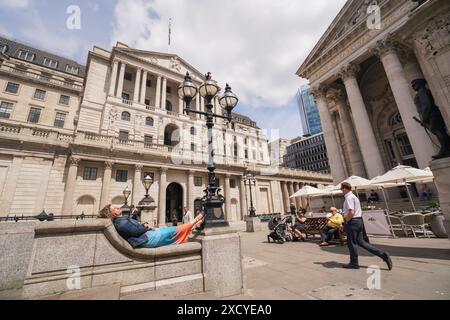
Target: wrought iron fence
(46, 217)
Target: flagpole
(170, 34)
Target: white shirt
(352, 203)
(188, 217)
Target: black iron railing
(46, 217)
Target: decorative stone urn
(437, 226)
(441, 172)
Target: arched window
(396, 119)
(169, 106)
(193, 131)
(149, 121)
(126, 116)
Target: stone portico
(362, 84)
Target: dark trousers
(355, 238)
(327, 233)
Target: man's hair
(346, 186)
(105, 213)
(333, 209)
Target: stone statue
(431, 117)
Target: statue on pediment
(175, 64)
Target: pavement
(305, 271)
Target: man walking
(188, 217)
(354, 230)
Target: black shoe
(388, 260)
(350, 266)
(303, 239)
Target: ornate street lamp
(125, 208)
(250, 180)
(213, 201)
(147, 205)
(147, 183)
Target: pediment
(167, 61)
(351, 15)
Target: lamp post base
(214, 215)
(253, 224)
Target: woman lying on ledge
(142, 235)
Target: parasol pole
(409, 194)
(387, 213)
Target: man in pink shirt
(355, 232)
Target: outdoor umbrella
(307, 191)
(330, 191)
(404, 174)
(358, 183)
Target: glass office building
(309, 114)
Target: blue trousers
(355, 238)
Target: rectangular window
(125, 96)
(121, 175)
(148, 139)
(39, 94)
(193, 147)
(5, 110)
(72, 69)
(147, 102)
(60, 119)
(123, 135)
(232, 183)
(12, 87)
(26, 55)
(198, 181)
(50, 63)
(246, 154)
(128, 76)
(64, 100)
(148, 83)
(169, 90)
(254, 154)
(217, 182)
(90, 174)
(34, 115)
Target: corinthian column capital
(74, 162)
(384, 47)
(320, 91)
(349, 71)
(109, 165)
(336, 94)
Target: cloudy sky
(255, 45)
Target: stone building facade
(361, 78)
(122, 120)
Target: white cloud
(14, 4)
(255, 45)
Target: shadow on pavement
(395, 251)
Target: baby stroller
(279, 230)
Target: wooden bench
(315, 226)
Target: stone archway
(174, 202)
(86, 205)
(119, 200)
(171, 135)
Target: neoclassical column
(158, 92)
(421, 144)
(364, 131)
(291, 193)
(190, 190)
(298, 200)
(338, 97)
(112, 85)
(333, 150)
(227, 198)
(136, 196)
(121, 79)
(285, 192)
(164, 93)
(243, 199)
(137, 85)
(69, 191)
(7, 197)
(256, 199)
(143, 87)
(104, 198)
(180, 106)
(162, 197)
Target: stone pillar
(143, 87)
(227, 198)
(298, 201)
(158, 93)
(291, 193)
(190, 190)
(197, 102)
(121, 79)
(256, 199)
(112, 85)
(162, 197)
(243, 199)
(7, 197)
(104, 198)
(356, 159)
(137, 85)
(333, 152)
(285, 192)
(164, 94)
(70, 186)
(136, 195)
(421, 144)
(180, 106)
(366, 137)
